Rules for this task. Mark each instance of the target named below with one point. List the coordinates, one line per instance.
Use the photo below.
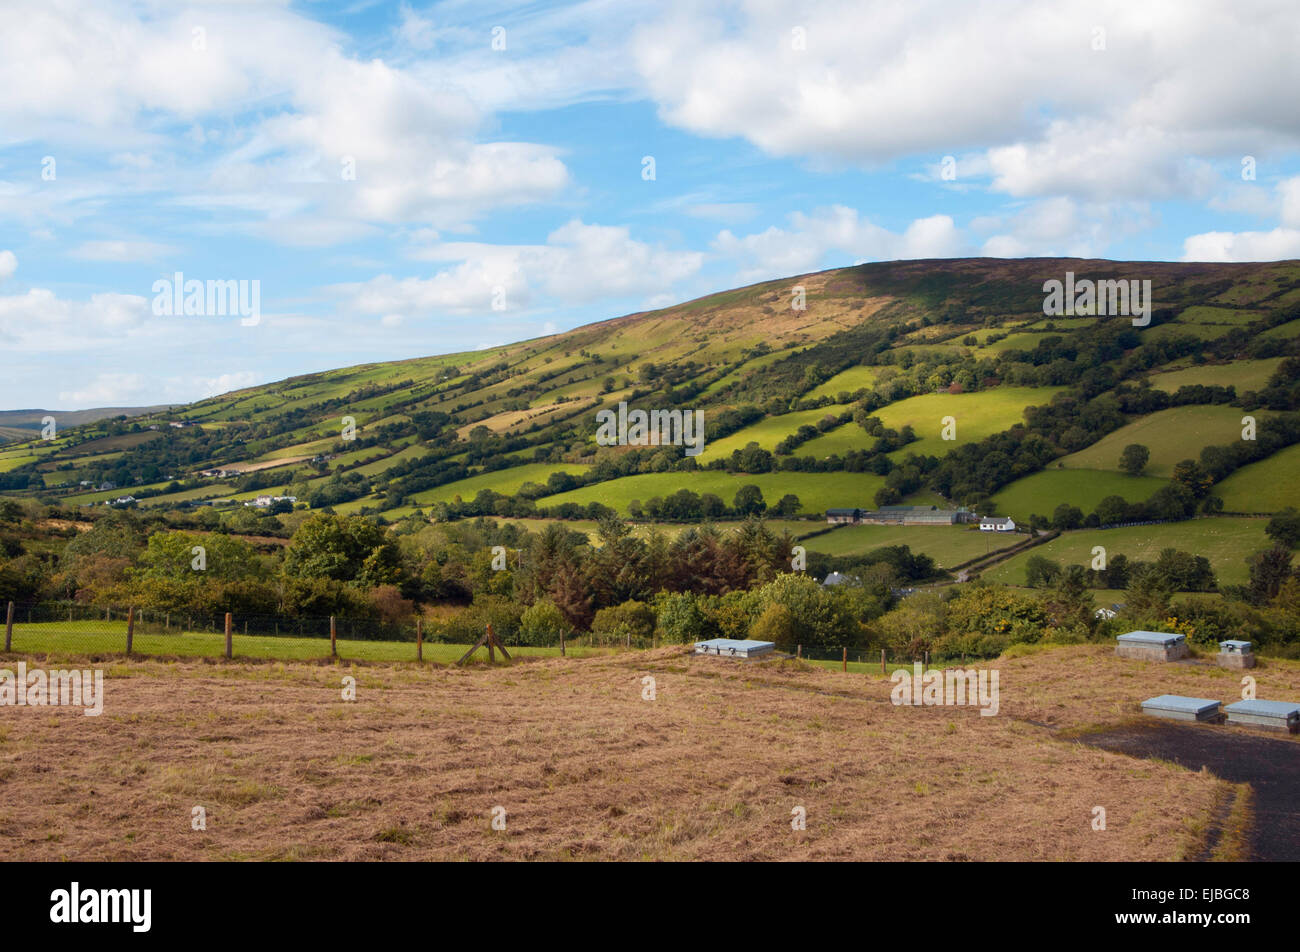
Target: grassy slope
(1225, 541)
(947, 545)
(1266, 486)
(816, 491)
(977, 415)
(1171, 435)
(1042, 492)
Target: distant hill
(19, 424)
(831, 388)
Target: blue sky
(499, 154)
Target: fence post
(167, 622)
(419, 639)
(130, 627)
(798, 651)
(229, 640)
(845, 660)
(561, 644)
(882, 660)
(9, 627)
(334, 647)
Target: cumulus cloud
(578, 263)
(121, 250)
(8, 265)
(778, 252)
(1276, 245)
(283, 124)
(1281, 243)
(1056, 106)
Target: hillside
(843, 403)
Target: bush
(542, 624)
(632, 619)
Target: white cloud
(8, 265)
(579, 263)
(1276, 245)
(121, 250)
(1060, 227)
(877, 81)
(778, 252)
(127, 389)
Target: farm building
(900, 516)
(838, 517)
(997, 524)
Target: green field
(1245, 375)
(1266, 486)
(101, 637)
(1225, 541)
(817, 492)
(766, 432)
(977, 415)
(1171, 435)
(851, 380)
(1042, 492)
(947, 545)
(504, 481)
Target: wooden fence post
(229, 640)
(561, 644)
(798, 651)
(845, 660)
(882, 660)
(130, 627)
(9, 627)
(419, 639)
(167, 622)
(334, 646)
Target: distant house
(838, 517)
(837, 578)
(1106, 614)
(265, 502)
(123, 500)
(105, 486)
(176, 425)
(997, 524)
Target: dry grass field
(585, 768)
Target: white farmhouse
(997, 524)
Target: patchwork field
(817, 492)
(1245, 375)
(977, 415)
(580, 766)
(1171, 435)
(766, 433)
(1042, 492)
(1225, 541)
(505, 481)
(947, 545)
(1266, 486)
